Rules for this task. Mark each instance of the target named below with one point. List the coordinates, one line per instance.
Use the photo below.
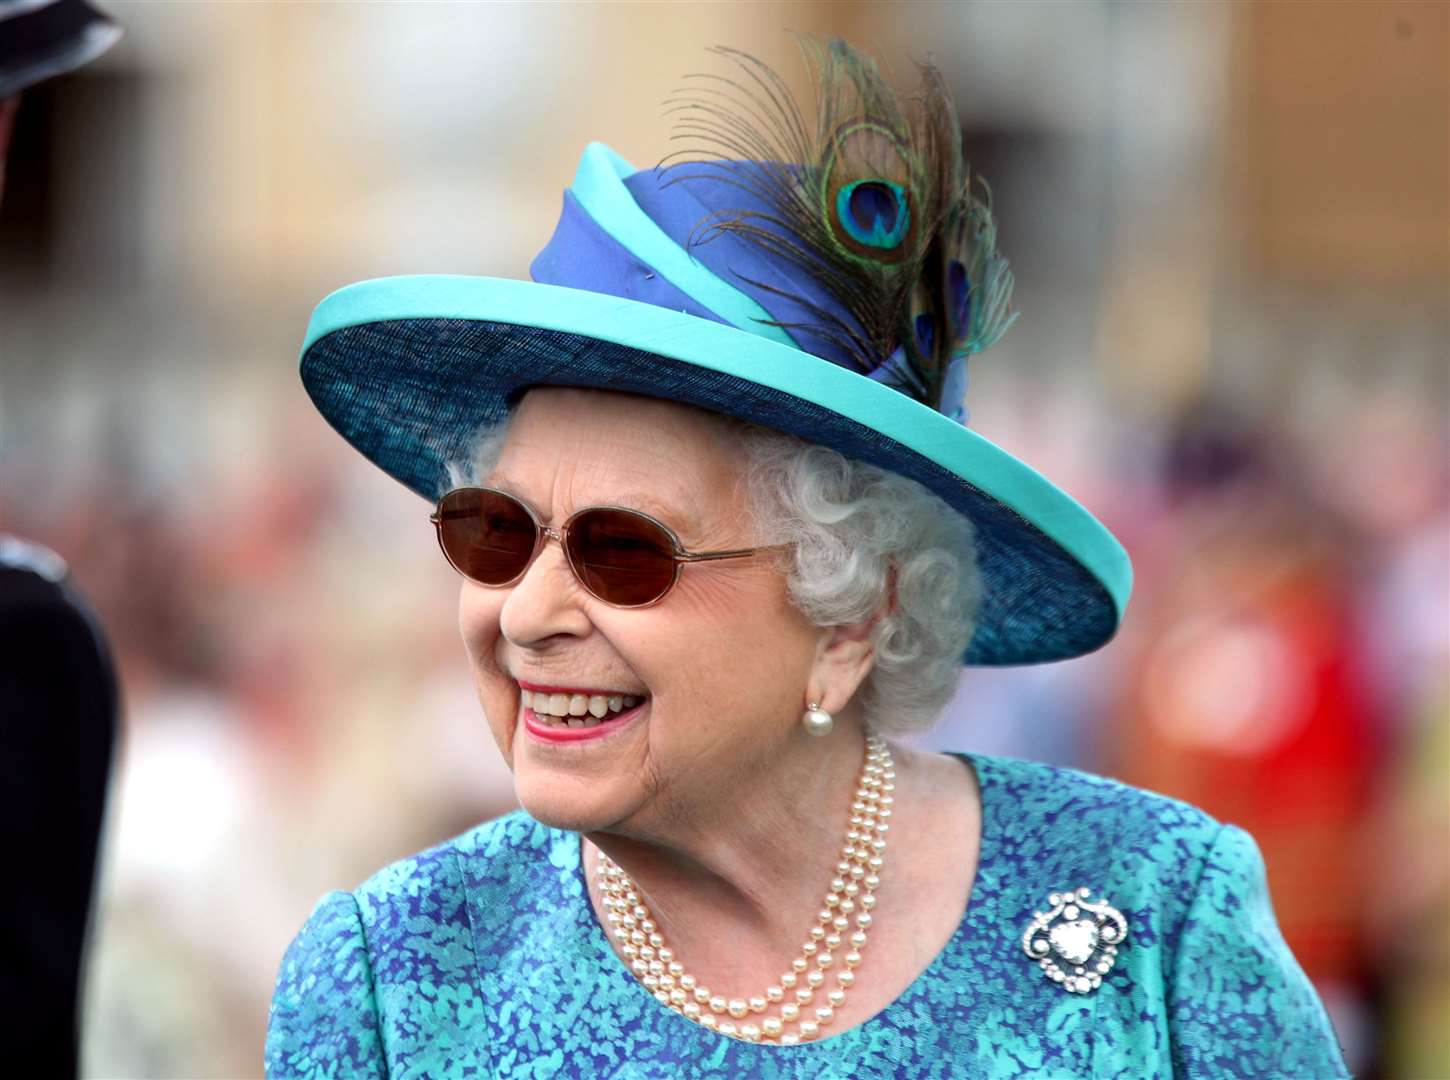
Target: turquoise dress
(483, 958)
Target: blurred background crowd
(1230, 232)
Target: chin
(564, 802)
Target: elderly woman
(724, 535)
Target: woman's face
(721, 663)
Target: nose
(545, 602)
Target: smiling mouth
(576, 710)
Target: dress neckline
(976, 902)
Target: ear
(845, 655)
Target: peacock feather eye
(874, 212)
(866, 188)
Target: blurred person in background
(58, 692)
(1250, 696)
(778, 542)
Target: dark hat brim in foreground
(410, 369)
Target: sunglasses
(620, 556)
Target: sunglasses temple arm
(711, 556)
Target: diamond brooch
(1075, 942)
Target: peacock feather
(870, 197)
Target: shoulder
(1056, 805)
(435, 884)
(397, 958)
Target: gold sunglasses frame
(544, 533)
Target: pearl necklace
(852, 895)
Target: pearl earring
(816, 720)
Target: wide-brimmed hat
(688, 283)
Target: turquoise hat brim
(409, 369)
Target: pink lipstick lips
(558, 714)
(558, 733)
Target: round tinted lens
(621, 557)
(488, 536)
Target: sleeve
(324, 1018)
(1238, 1002)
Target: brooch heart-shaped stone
(1075, 941)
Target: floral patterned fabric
(483, 958)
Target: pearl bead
(824, 960)
(799, 963)
(833, 941)
(809, 948)
(853, 959)
(708, 1020)
(788, 979)
(702, 994)
(817, 722)
(749, 1032)
(804, 995)
(718, 1003)
(858, 939)
(809, 1029)
(774, 993)
(863, 921)
(757, 1004)
(789, 1011)
(790, 1040)
(836, 997)
(728, 1028)
(692, 1010)
(825, 1014)
(846, 978)
(737, 1007)
(771, 1026)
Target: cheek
(739, 659)
(478, 624)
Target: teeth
(587, 708)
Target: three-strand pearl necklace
(789, 1011)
